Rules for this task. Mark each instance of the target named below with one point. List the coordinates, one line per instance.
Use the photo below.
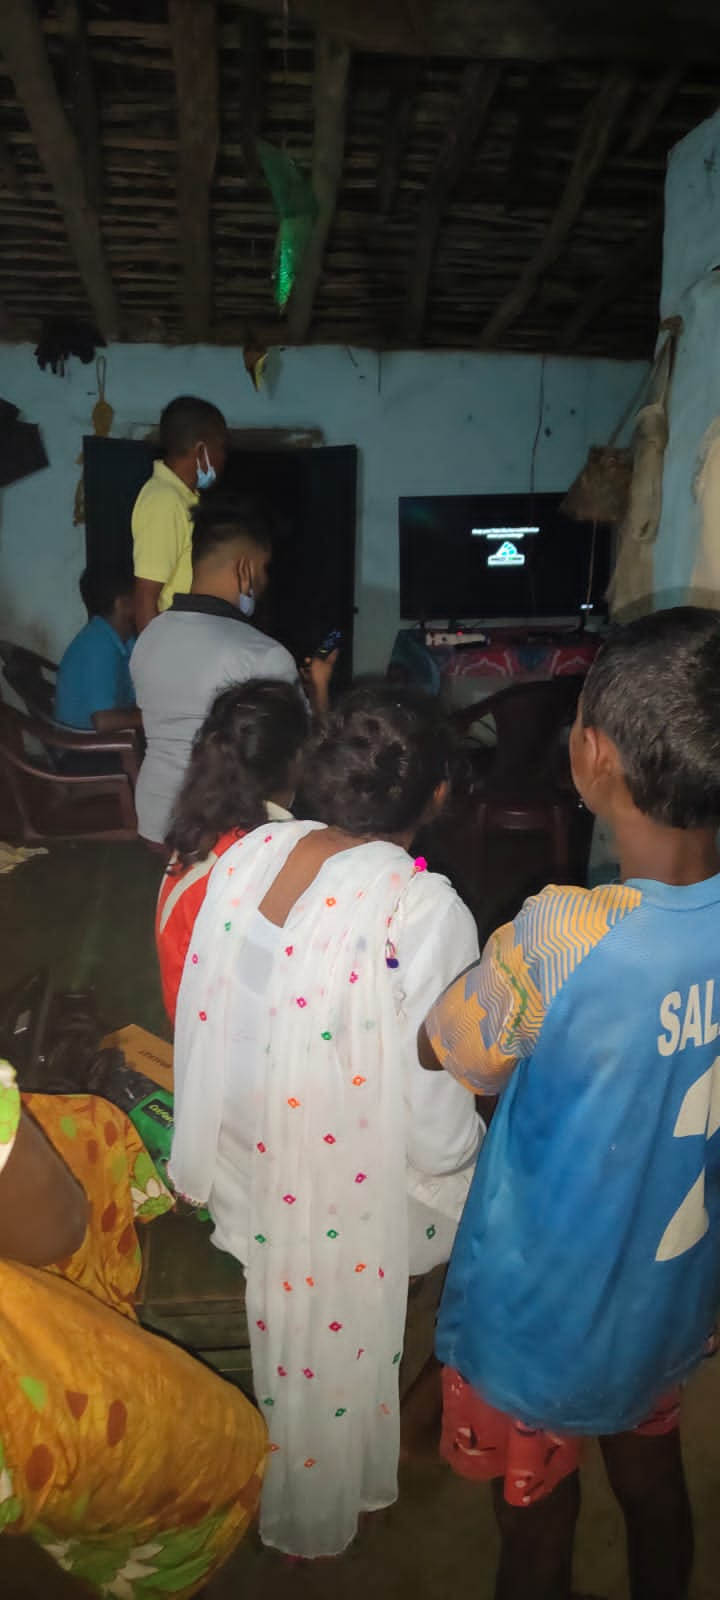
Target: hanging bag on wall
(600, 493)
(631, 586)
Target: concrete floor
(86, 912)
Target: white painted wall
(424, 423)
(691, 289)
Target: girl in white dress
(333, 1166)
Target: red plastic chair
(42, 803)
(526, 786)
(32, 678)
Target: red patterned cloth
(521, 661)
(179, 902)
(481, 1443)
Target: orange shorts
(481, 1443)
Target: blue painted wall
(691, 289)
(423, 424)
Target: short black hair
(100, 587)
(377, 761)
(185, 421)
(654, 689)
(243, 754)
(221, 519)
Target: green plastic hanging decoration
(296, 206)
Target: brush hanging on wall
(102, 421)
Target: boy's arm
(111, 691)
(160, 532)
(147, 597)
(490, 1017)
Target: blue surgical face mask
(206, 476)
(246, 604)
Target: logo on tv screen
(507, 555)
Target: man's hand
(120, 719)
(317, 674)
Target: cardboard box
(145, 1053)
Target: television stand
(444, 657)
(506, 631)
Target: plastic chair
(526, 786)
(32, 677)
(48, 804)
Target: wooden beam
(491, 30)
(652, 107)
(251, 90)
(330, 93)
(621, 278)
(193, 30)
(405, 77)
(10, 177)
(600, 128)
(477, 88)
(514, 30)
(83, 100)
(22, 43)
(521, 162)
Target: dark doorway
(313, 495)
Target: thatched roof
(477, 203)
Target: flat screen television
(499, 557)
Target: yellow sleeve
(489, 1017)
(161, 535)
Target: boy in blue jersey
(585, 1278)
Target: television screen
(502, 556)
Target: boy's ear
(605, 755)
(245, 576)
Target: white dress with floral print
(353, 1152)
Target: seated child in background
(585, 1278)
(94, 689)
(243, 770)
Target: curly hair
(377, 761)
(243, 754)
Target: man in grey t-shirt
(203, 644)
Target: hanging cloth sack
(631, 586)
(600, 493)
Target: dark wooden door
(312, 493)
(313, 496)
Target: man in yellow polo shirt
(193, 446)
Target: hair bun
(375, 766)
(390, 758)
